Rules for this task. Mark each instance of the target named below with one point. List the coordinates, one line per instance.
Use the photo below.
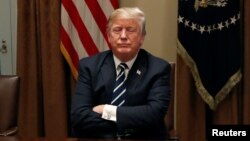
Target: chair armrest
(173, 139)
(173, 136)
(10, 132)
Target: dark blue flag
(209, 43)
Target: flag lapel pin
(138, 72)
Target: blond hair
(128, 13)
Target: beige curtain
(45, 78)
(193, 115)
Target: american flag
(83, 29)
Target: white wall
(8, 16)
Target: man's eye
(131, 29)
(116, 30)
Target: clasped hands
(98, 109)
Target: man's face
(125, 37)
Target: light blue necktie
(119, 88)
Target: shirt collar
(129, 63)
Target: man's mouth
(123, 45)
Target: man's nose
(123, 34)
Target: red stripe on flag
(114, 3)
(99, 17)
(83, 33)
(69, 47)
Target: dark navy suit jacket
(146, 104)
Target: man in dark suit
(128, 101)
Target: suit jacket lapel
(136, 73)
(108, 74)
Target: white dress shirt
(109, 111)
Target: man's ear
(108, 35)
(142, 39)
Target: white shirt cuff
(109, 112)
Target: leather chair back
(9, 97)
(170, 118)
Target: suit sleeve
(83, 118)
(151, 114)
